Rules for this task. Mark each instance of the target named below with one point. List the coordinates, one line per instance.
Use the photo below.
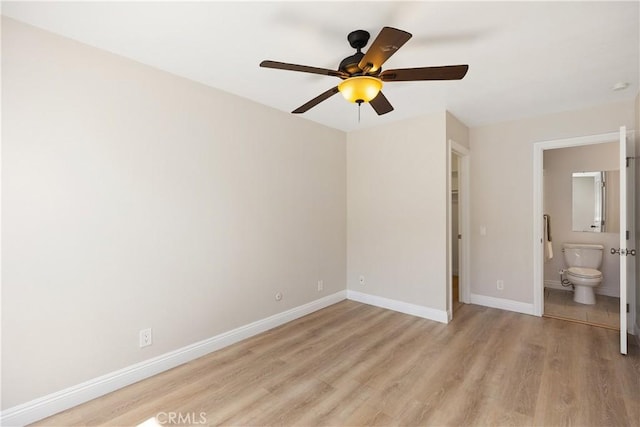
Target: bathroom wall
(559, 164)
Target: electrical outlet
(361, 279)
(146, 337)
(320, 285)
(279, 296)
(500, 285)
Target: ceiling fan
(362, 75)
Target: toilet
(583, 262)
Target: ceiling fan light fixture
(360, 88)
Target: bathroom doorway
(581, 198)
(624, 250)
(458, 163)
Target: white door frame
(464, 224)
(538, 229)
(627, 236)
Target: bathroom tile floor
(559, 303)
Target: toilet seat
(584, 273)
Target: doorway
(627, 222)
(581, 200)
(458, 162)
(455, 233)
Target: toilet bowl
(583, 262)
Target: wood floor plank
(355, 364)
(338, 406)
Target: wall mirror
(596, 201)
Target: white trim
(607, 291)
(555, 284)
(464, 185)
(600, 290)
(538, 155)
(503, 304)
(53, 403)
(538, 266)
(632, 190)
(464, 223)
(449, 239)
(400, 306)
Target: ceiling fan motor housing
(350, 64)
(357, 39)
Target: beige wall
(501, 192)
(559, 164)
(456, 130)
(396, 211)
(133, 198)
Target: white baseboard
(600, 290)
(53, 403)
(503, 304)
(610, 292)
(555, 284)
(400, 306)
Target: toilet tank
(583, 255)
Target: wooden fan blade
(381, 104)
(386, 44)
(317, 100)
(447, 72)
(302, 68)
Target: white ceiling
(525, 58)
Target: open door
(627, 230)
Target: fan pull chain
(359, 107)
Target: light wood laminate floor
(355, 364)
(606, 311)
